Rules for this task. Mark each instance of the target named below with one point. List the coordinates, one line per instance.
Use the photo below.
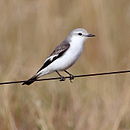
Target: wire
(67, 77)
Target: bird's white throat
(77, 40)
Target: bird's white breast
(70, 56)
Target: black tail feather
(30, 81)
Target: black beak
(90, 35)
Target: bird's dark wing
(58, 52)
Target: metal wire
(67, 77)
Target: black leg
(62, 78)
(71, 76)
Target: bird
(63, 56)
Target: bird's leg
(62, 78)
(71, 76)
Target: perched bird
(64, 55)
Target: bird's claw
(71, 78)
(62, 78)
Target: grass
(29, 31)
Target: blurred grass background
(29, 31)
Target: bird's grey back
(64, 45)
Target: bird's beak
(90, 35)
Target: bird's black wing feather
(58, 52)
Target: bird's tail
(31, 80)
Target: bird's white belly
(67, 60)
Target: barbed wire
(68, 77)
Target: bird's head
(80, 34)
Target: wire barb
(68, 77)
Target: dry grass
(29, 30)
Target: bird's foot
(62, 78)
(71, 77)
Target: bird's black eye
(80, 34)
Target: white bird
(64, 55)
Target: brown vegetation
(29, 31)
